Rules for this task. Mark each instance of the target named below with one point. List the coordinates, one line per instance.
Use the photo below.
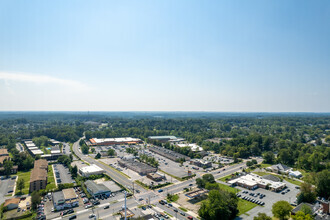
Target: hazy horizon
(165, 56)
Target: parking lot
(6, 188)
(62, 174)
(269, 199)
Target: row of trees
(149, 160)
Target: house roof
(298, 208)
(39, 171)
(12, 201)
(280, 167)
(4, 151)
(2, 158)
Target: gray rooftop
(58, 197)
(96, 188)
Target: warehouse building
(168, 153)
(114, 141)
(67, 198)
(164, 139)
(253, 181)
(140, 168)
(97, 190)
(91, 170)
(38, 178)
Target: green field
(261, 173)
(50, 178)
(26, 177)
(244, 206)
(228, 188)
(223, 179)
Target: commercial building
(193, 147)
(201, 163)
(91, 170)
(67, 198)
(12, 203)
(164, 139)
(114, 141)
(140, 168)
(253, 181)
(168, 153)
(38, 178)
(155, 177)
(97, 190)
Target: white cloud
(42, 79)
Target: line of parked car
(169, 205)
(247, 198)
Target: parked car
(106, 207)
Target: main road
(121, 179)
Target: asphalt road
(113, 174)
(102, 213)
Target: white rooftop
(33, 148)
(123, 139)
(55, 151)
(193, 147)
(91, 169)
(253, 179)
(36, 152)
(30, 144)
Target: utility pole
(125, 207)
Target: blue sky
(165, 55)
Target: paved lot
(65, 174)
(270, 199)
(5, 186)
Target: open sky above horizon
(249, 56)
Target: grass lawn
(244, 206)
(264, 165)
(228, 188)
(261, 173)
(224, 179)
(293, 181)
(183, 209)
(50, 178)
(174, 198)
(26, 177)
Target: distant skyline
(219, 56)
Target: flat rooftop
(91, 169)
(118, 140)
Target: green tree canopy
(220, 205)
(281, 210)
(262, 216)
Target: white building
(295, 174)
(253, 181)
(91, 170)
(193, 147)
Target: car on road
(160, 190)
(175, 210)
(92, 216)
(144, 208)
(190, 184)
(73, 217)
(190, 218)
(106, 207)
(182, 213)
